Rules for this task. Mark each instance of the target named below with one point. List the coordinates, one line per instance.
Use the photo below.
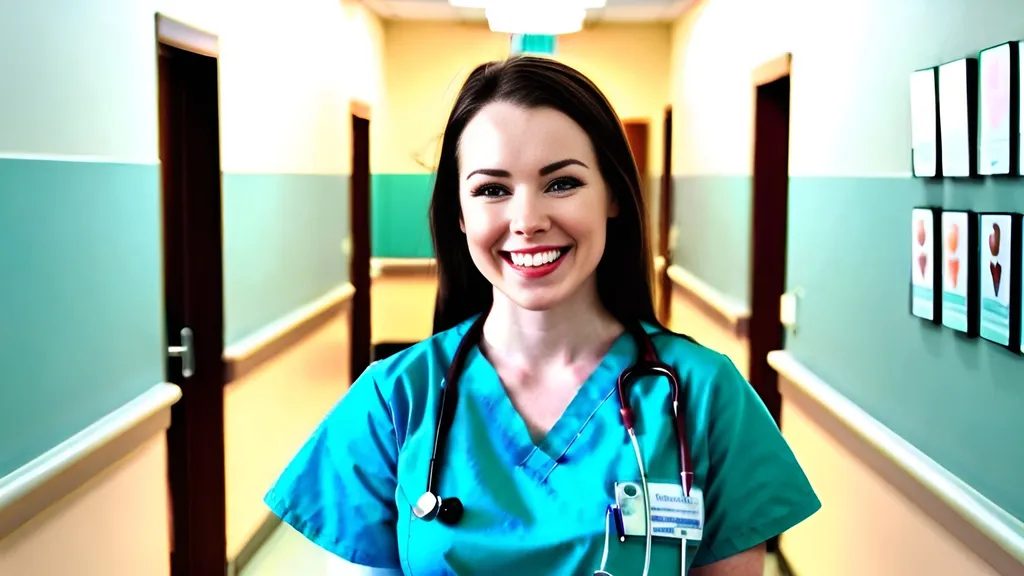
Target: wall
(114, 525)
(81, 312)
(909, 541)
(850, 201)
(81, 318)
(270, 412)
(427, 62)
(288, 72)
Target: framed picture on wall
(1020, 107)
(924, 123)
(960, 271)
(999, 241)
(998, 110)
(958, 121)
(925, 273)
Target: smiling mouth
(536, 260)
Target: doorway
(637, 133)
(359, 265)
(768, 229)
(665, 218)
(189, 147)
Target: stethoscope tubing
(648, 364)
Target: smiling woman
(535, 229)
(510, 440)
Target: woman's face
(534, 204)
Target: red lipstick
(520, 260)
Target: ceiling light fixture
(470, 3)
(531, 17)
(481, 4)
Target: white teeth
(538, 259)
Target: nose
(528, 213)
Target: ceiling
(614, 10)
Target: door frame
(665, 218)
(769, 221)
(360, 221)
(195, 438)
(769, 226)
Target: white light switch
(787, 309)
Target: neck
(576, 330)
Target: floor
(287, 553)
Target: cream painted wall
(716, 45)
(427, 62)
(687, 318)
(630, 63)
(270, 412)
(38, 118)
(403, 307)
(114, 525)
(288, 71)
(859, 68)
(848, 538)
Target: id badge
(672, 514)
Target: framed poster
(924, 123)
(960, 271)
(958, 122)
(999, 238)
(998, 110)
(926, 273)
(1020, 108)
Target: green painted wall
(81, 290)
(713, 217)
(400, 225)
(81, 297)
(283, 237)
(957, 400)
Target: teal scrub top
(536, 507)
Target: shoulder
(694, 362)
(754, 488)
(408, 381)
(423, 359)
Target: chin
(535, 299)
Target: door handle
(186, 352)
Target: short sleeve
(339, 489)
(755, 488)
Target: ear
(462, 224)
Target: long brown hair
(624, 273)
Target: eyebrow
(550, 168)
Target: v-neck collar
(520, 450)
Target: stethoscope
(449, 510)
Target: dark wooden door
(768, 234)
(359, 271)
(637, 132)
(193, 288)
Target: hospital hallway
(214, 217)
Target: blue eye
(488, 190)
(564, 184)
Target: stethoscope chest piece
(447, 511)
